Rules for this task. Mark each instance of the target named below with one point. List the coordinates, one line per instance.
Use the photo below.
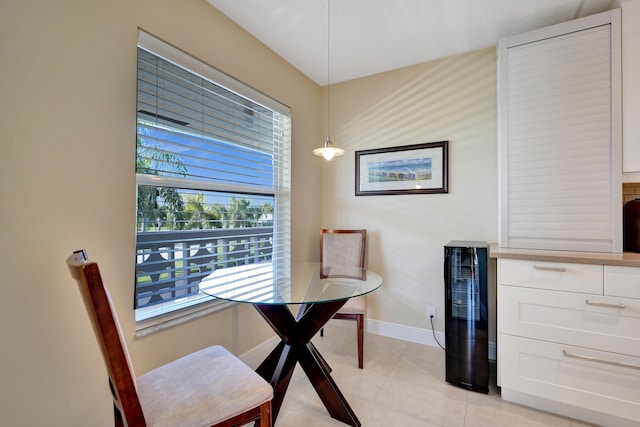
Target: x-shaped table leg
(296, 346)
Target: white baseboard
(405, 333)
(256, 355)
(413, 334)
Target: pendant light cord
(328, 70)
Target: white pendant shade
(328, 151)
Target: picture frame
(409, 169)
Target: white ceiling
(372, 36)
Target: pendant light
(328, 151)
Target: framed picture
(409, 169)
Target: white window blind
(213, 183)
(559, 162)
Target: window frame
(149, 320)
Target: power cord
(434, 332)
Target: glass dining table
(317, 294)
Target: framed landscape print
(408, 169)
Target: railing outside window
(170, 264)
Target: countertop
(626, 259)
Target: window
(213, 184)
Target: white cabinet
(567, 348)
(560, 148)
(622, 281)
(545, 275)
(584, 379)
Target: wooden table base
(296, 346)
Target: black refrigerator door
(466, 317)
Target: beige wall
(451, 99)
(67, 138)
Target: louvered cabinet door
(560, 145)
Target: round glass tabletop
(260, 283)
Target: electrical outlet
(432, 313)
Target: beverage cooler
(466, 315)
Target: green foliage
(158, 207)
(199, 216)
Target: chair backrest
(105, 324)
(342, 253)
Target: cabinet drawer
(572, 375)
(594, 321)
(584, 278)
(622, 281)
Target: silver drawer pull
(598, 360)
(605, 304)
(545, 268)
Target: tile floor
(402, 385)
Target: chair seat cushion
(356, 305)
(201, 389)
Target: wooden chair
(210, 387)
(345, 248)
